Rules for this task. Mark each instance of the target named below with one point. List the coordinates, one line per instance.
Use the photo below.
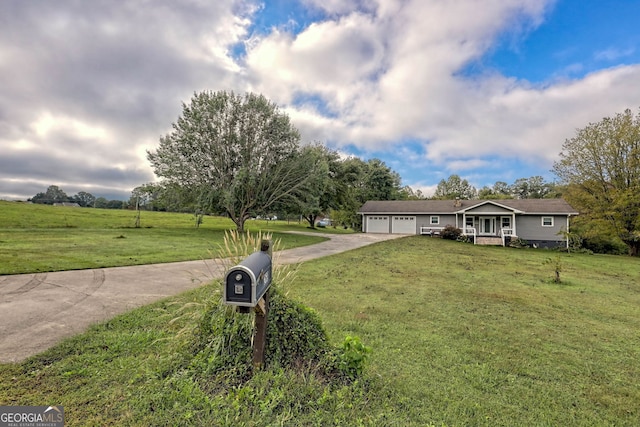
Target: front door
(487, 225)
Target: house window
(468, 222)
(547, 221)
(505, 222)
(435, 220)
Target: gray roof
(524, 206)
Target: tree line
(600, 167)
(55, 194)
(332, 187)
(534, 187)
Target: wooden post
(265, 246)
(261, 312)
(260, 334)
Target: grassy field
(484, 336)
(461, 335)
(36, 238)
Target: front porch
(489, 223)
(484, 231)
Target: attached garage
(377, 224)
(403, 225)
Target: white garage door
(377, 224)
(404, 225)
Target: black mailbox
(246, 283)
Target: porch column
(513, 224)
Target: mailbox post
(247, 286)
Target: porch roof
(428, 207)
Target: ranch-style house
(540, 222)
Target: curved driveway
(39, 310)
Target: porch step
(496, 241)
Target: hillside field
(38, 238)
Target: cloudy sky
(486, 89)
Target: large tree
(236, 153)
(408, 193)
(358, 181)
(143, 197)
(382, 182)
(54, 194)
(101, 203)
(319, 194)
(601, 167)
(500, 190)
(455, 187)
(531, 188)
(84, 199)
(370, 180)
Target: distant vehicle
(324, 222)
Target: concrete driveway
(38, 310)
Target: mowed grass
(483, 336)
(37, 238)
(461, 335)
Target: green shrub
(605, 245)
(296, 340)
(352, 357)
(295, 334)
(556, 263)
(451, 232)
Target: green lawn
(483, 336)
(461, 335)
(36, 238)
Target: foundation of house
(484, 240)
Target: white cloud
(46, 124)
(461, 165)
(92, 83)
(334, 59)
(92, 86)
(341, 7)
(428, 190)
(386, 75)
(394, 75)
(613, 54)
